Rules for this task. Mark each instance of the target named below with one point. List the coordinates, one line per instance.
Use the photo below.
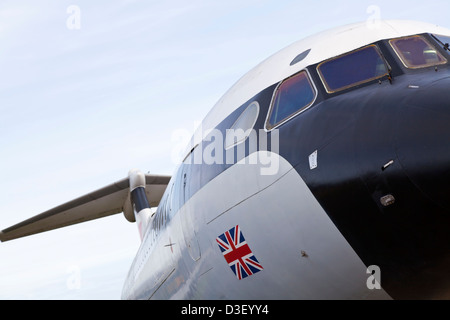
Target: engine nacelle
(137, 207)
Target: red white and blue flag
(237, 253)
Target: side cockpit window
(352, 69)
(416, 52)
(292, 96)
(242, 127)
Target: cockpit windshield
(353, 68)
(416, 52)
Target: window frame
(438, 38)
(355, 84)
(401, 58)
(267, 126)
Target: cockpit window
(416, 52)
(353, 68)
(292, 96)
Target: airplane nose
(421, 224)
(423, 140)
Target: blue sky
(81, 107)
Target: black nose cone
(423, 140)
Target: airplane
(321, 174)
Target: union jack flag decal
(237, 253)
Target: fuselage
(332, 172)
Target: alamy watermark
(234, 146)
(374, 20)
(73, 21)
(374, 280)
(73, 281)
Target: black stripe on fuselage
(356, 132)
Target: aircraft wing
(112, 199)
